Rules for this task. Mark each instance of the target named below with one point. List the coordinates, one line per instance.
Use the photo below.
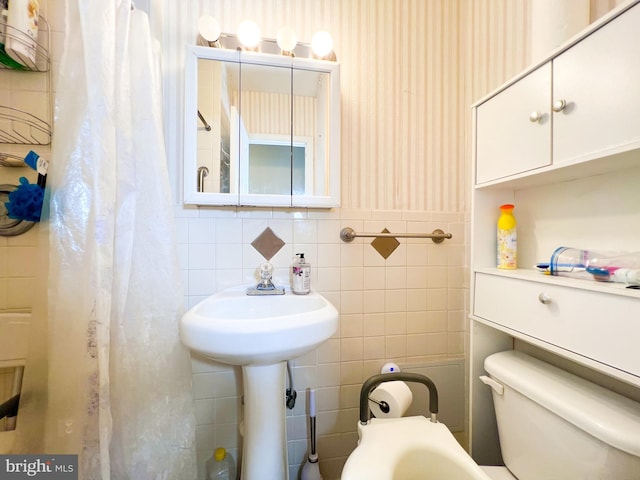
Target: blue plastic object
(25, 202)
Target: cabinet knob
(544, 298)
(535, 117)
(559, 105)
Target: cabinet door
(509, 140)
(599, 80)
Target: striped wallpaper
(410, 70)
(403, 106)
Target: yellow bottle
(507, 251)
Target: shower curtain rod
(347, 234)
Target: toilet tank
(554, 425)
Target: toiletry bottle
(22, 31)
(626, 275)
(5, 59)
(507, 244)
(220, 466)
(300, 276)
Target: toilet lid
(602, 413)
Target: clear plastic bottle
(621, 267)
(507, 244)
(572, 262)
(220, 466)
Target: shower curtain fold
(119, 381)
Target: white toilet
(556, 426)
(552, 425)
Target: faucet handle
(266, 271)
(265, 286)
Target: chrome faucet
(265, 286)
(266, 274)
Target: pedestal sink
(260, 333)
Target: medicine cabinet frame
(194, 125)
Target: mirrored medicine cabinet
(261, 130)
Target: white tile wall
(30, 92)
(18, 268)
(408, 308)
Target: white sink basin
(238, 329)
(260, 333)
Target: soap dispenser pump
(300, 276)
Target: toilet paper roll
(396, 394)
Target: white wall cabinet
(579, 105)
(573, 177)
(514, 128)
(598, 80)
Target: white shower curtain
(119, 381)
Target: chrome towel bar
(347, 234)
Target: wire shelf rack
(17, 125)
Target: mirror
(260, 130)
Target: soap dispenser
(300, 276)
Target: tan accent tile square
(385, 246)
(267, 243)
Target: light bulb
(209, 28)
(249, 33)
(322, 43)
(286, 39)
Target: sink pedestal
(260, 333)
(264, 451)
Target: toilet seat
(498, 473)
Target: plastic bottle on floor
(220, 466)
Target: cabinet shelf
(533, 275)
(560, 316)
(628, 378)
(596, 163)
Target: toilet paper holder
(389, 367)
(372, 382)
(384, 406)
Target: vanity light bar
(248, 38)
